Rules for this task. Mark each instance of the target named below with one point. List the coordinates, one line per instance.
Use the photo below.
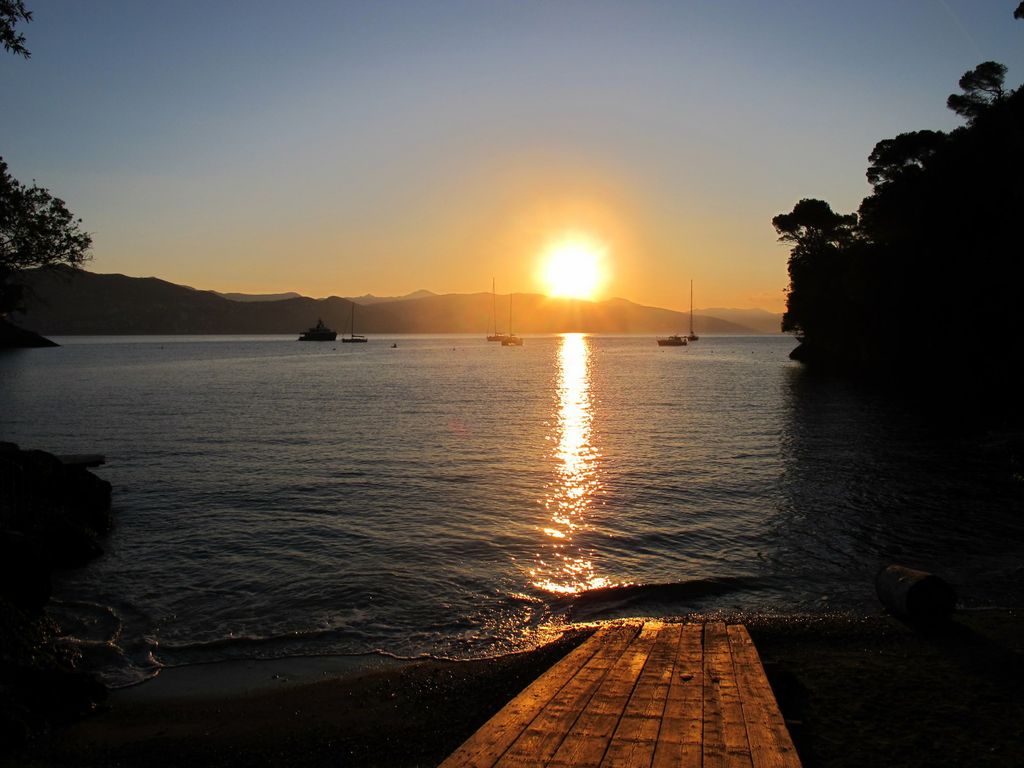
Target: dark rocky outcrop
(52, 514)
(13, 337)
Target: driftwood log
(914, 595)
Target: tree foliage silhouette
(982, 87)
(817, 262)
(893, 159)
(11, 13)
(36, 230)
(940, 234)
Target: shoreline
(238, 677)
(854, 689)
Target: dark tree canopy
(36, 230)
(817, 263)
(1019, 13)
(813, 222)
(982, 87)
(892, 159)
(12, 12)
(930, 265)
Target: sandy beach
(854, 691)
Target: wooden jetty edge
(642, 694)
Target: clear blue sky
(346, 148)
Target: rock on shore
(13, 337)
(52, 515)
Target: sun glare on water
(573, 268)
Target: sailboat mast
(494, 308)
(691, 307)
(352, 331)
(510, 313)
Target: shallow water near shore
(456, 498)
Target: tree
(813, 223)
(1019, 13)
(982, 86)
(817, 268)
(12, 12)
(36, 230)
(892, 159)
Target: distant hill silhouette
(260, 296)
(369, 298)
(66, 302)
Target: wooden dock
(651, 694)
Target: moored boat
(494, 311)
(353, 337)
(691, 336)
(510, 339)
(319, 332)
(672, 341)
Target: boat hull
(672, 341)
(319, 336)
(354, 340)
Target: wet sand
(854, 690)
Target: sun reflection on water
(563, 566)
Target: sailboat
(691, 336)
(494, 311)
(511, 340)
(352, 337)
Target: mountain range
(63, 301)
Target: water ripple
(455, 498)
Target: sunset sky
(382, 147)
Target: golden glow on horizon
(573, 268)
(568, 569)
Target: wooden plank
(670, 696)
(770, 743)
(544, 734)
(587, 740)
(725, 733)
(680, 736)
(491, 740)
(636, 736)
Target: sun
(573, 268)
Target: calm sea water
(457, 498)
